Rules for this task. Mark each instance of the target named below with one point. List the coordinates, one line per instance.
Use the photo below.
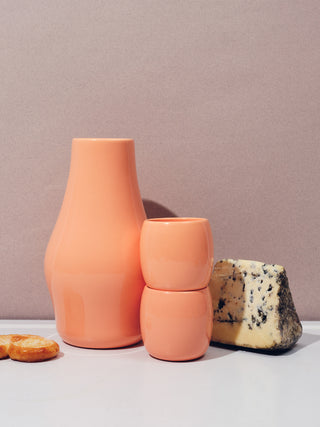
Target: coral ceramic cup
(176, 253)
(176, 326)
(176, 310)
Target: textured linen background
(221, 97)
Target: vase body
(92, 262)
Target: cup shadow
(216, 353)
(211, 353)
(127, 347)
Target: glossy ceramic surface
(176, 325)
(92, 263)
(176, 253)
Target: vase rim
(108, 140)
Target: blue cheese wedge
(253, 306)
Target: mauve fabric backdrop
(221, 97)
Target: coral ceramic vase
(92, 262)
(176, 308)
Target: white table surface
(127, 387)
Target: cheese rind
(253, 306)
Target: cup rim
(176, 220)
(101, 140)
(171, 290)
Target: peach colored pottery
(176, 253)
(176, 308)
(175, 325)
(92, 263)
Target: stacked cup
(176, 310)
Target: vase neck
(94, 161)
(103, 176)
